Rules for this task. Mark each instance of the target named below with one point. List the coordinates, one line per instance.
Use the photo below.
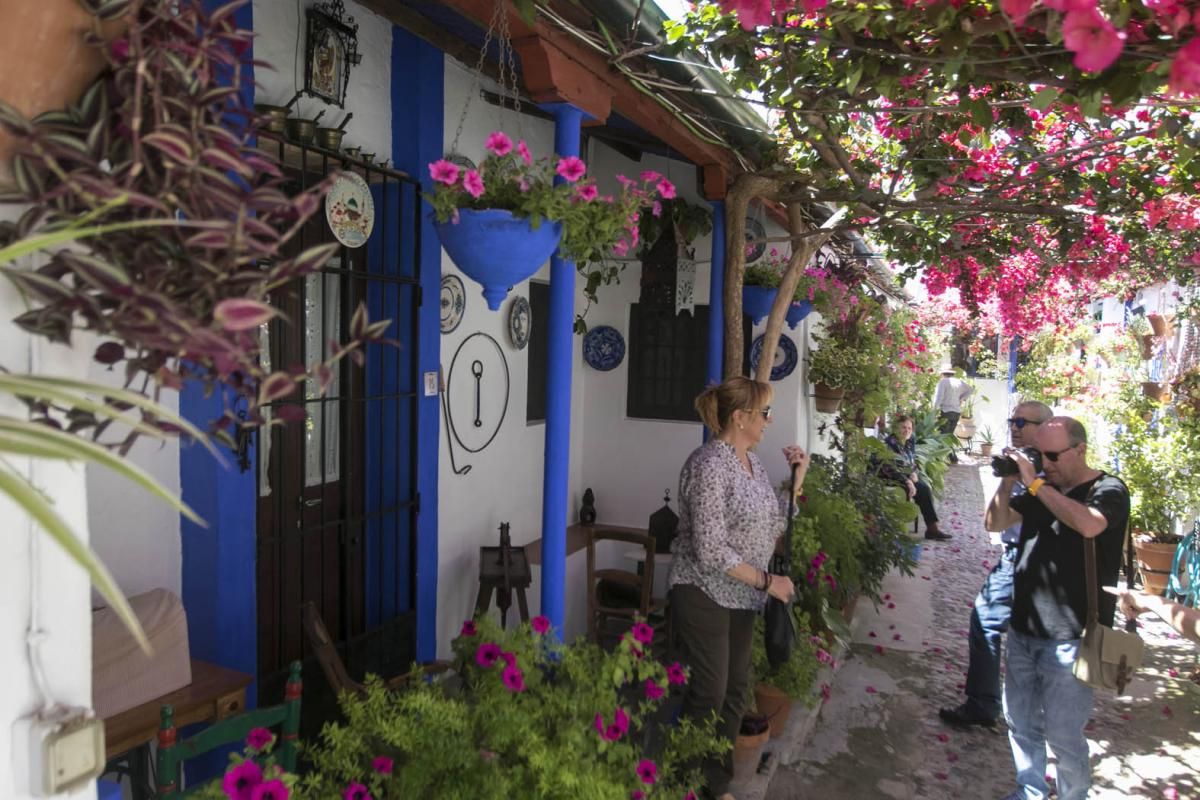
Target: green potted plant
(500, 223)
(1139, 328)
(836, 367)
(760, 285)
(987, 442)
(776, 689)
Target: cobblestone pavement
(879, 735)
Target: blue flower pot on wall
(757, 301)
(797, 312)
(496, 249)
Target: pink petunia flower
(621, 248)
(676, 675)
(1093, 39)
(240, 781)
(540, 624)
(653, 690)
(523, 150)
(1184, 79)
(487, 655)
(1016, 10)
(656, 208)
(383, 765)
(637, 794)
(616, 729)
(514, 679)
(473, 183)
(666, 189)
(356, 791)
(643, 633)
(275, 790)
(444, 171)
(647, 771)
(650, 176)
(259, 738)
(498, 143)
(571, 168)
(468, 628)
(510, 659)
(587, 192)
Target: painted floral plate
(453, 302)
(350, 210)
(786, 357)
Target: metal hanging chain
(506, 45)
(497, 15)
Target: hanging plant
(161, 146)
(501, 222)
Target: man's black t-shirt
(1049, 585)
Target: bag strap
(786, 564)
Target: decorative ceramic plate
(454, 302)
(520, 321)
(785, 360)
(755, 230)
(350, 210)
(603, 348)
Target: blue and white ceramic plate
(603, 348)
(520, 319)
(454, 302)
(785, 360)
(755, 231)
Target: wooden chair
(335, 669)
(231, 730)
(616, 596)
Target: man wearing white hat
(948, 400)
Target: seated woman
(903, 469)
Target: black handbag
(779, 623)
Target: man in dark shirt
(1043, 702)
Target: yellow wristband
(1033, 487)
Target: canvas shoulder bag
(1107, 657)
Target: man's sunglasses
(1021, 422)
(1053, 455)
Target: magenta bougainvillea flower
(473, 183)
(571, 168)
(383, 765)
(487, 655)
(1185, 70)
(498, 143)
(240, 781)
(653, 689)
(643, 633)
(540, 624)
(676, 674)
(444, 171)
(1094, 40)
(259, 738)
(468, 628)
(514, 679)
(356, 791)
(647, 771)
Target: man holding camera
(993, 604)
(1043, 701)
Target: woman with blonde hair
(730, 517)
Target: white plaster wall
(36, 577)
(137, 537)
(279, 29)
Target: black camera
(1003, 466)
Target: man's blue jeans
(989, 621)
(1045, 704)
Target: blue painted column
(561, 335)
(418, 70)
(716, 300)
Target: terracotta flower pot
(747, 753)
(965, 428)
(775, 705)
(827, 399)
(985, 449)
(1154, 564)
(1155, 391)
(1159, 324)
(1147, 342)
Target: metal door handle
(311, 503)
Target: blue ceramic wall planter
(797, 312)
(757, 301)
(496, 249)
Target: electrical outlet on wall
(58, 750)
(431, 384)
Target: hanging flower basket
(797, 312)
(496, 249)
(757, 301)
(827, 399)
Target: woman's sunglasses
(766, 412)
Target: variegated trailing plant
(162, 229)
